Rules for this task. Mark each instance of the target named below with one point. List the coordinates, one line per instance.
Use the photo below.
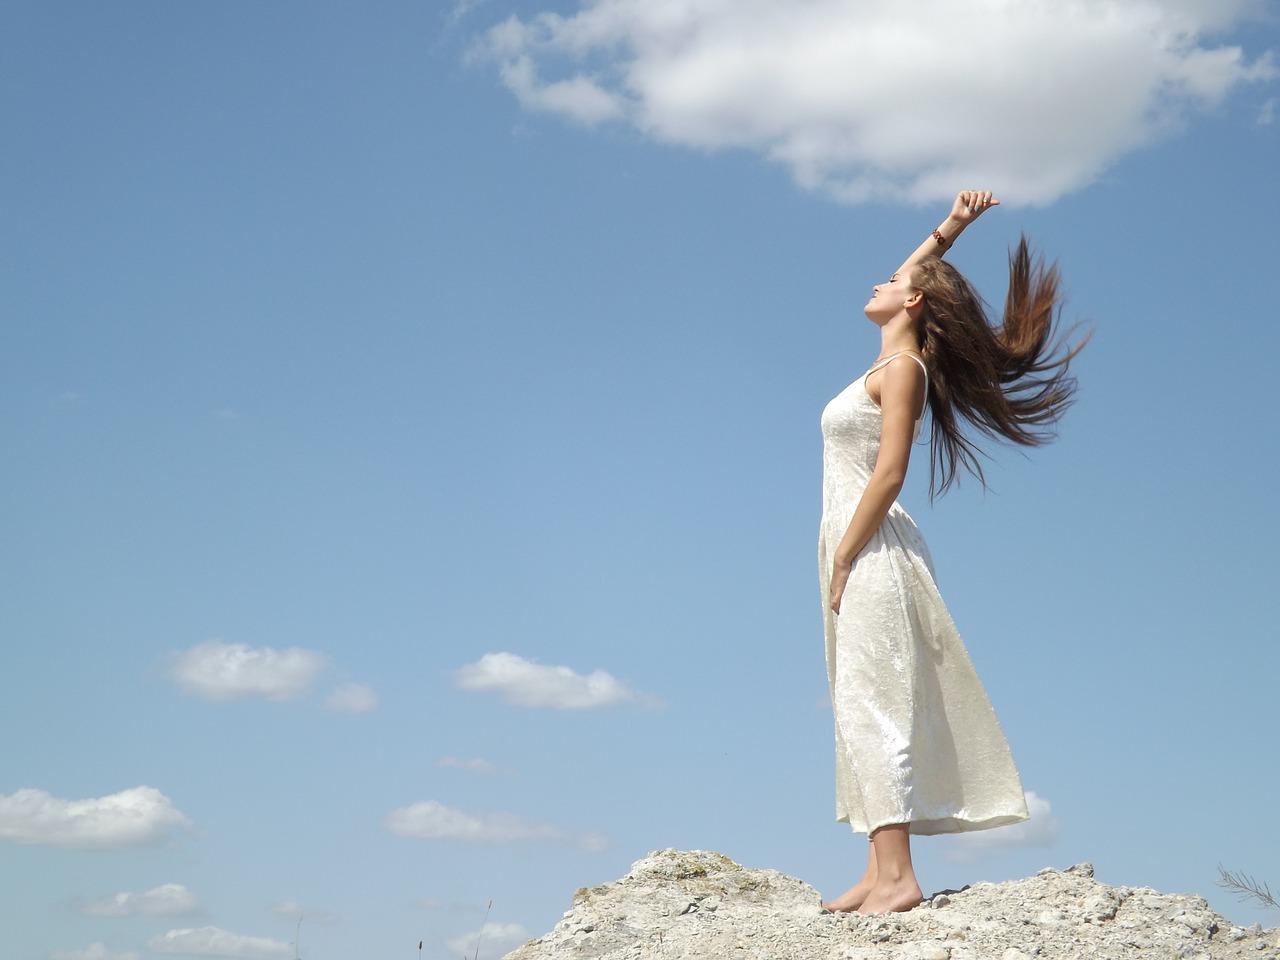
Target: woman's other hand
(840, 571)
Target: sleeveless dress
(917, 741)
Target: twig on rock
(1246, 888)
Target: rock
(696, 905)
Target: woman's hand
(971, 204)
(840, 571)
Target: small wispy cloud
(219, 671)
(166, 900)
(494, 939)
(130, 818)
(1040, 830)
(525, 683)
(351, 698)
(294, 910)
(216, 942)
(460, 9)
(95, 951)
(478, 766)
(430, 820)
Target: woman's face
(890, 298)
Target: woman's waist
(839, 511)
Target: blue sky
(410, 418)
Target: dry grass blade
(480, 935)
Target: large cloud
(525, 683)
(134, 817)
(910, 100)
(216, 942)
(166, 900)
(224, 671)
(429, 820)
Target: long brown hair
(1009, 383)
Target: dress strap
(880, 363)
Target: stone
(699, 905)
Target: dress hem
(942, 825)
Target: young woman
(918, 747)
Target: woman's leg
(852, 898)
(895, 889)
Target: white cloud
(166, 900)
(904, 101)
(429, 820)
(95, 951)
(224, 671)
(216, 942)
(477, 765)
(527, 684)
(132, 817)
(351, 698)
(495, 939)
(460, 10)
(1041, 830)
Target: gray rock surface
(685, 904)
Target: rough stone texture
(686, 904)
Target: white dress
(917, 741)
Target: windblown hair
(1009, 383)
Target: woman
(918, 746)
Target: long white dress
(917, 741)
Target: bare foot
(892, 898)
(852, 898)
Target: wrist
(948, 231)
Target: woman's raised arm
(969, 205)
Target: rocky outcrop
(686, 904)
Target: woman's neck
(899, 334)
(898, 344)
